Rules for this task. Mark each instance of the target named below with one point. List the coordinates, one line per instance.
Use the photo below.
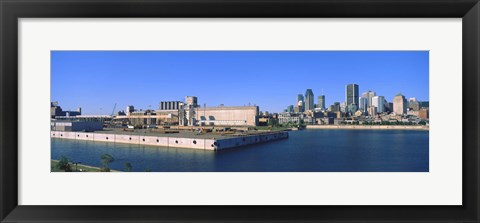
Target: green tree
(128, 167)
(63, 164)
(106, 160)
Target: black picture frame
(12, 10)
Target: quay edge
(174, 141)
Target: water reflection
(309, 150)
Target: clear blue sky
(96, 80)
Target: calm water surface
(303, 151)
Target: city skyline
(96, 80)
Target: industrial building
(189, 113)
(75, 125)
(191, 100)
(56, 110)
(169, 105)
(149, 117)
(222, 115)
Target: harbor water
(304, 151)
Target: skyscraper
(399, 104)
(309, 103)
(301, 102)
(336, 107)
(369, 95)
(378, 102)
(321, 102)
(363, 104)
(351, 95)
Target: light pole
(76, 165)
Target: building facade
(230, 116)
(351, 95)
(300, 103)
(191, 100)
(379, 103)
(309, 100)
(414, 104)
(369, 95)
(288, 118)
(321, 102)
(290, 108)
(169, 105)
(424, 113)
(56, 110)
(363, 104)
(399, 104)
(129, 109)
(372, 111)
(75, 125)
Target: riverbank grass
(80, 168)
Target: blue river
(303, 151)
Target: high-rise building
(414, 104)
(290, 109)
(378, 102)
(424, 104)
(321, 102)
(369, 95)
(309, 100)
(351, 95)
(335, 107)
(300, 102)
(390, 106)
(363, 104)
(385, 105)
(399, 104)
(299, 107)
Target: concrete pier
(185, 140)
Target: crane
(113, 111)
(111, 124)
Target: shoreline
(370, 127)
(79, 166)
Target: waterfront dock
(186, 139)
(371, 127)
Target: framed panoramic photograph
(265, 111)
